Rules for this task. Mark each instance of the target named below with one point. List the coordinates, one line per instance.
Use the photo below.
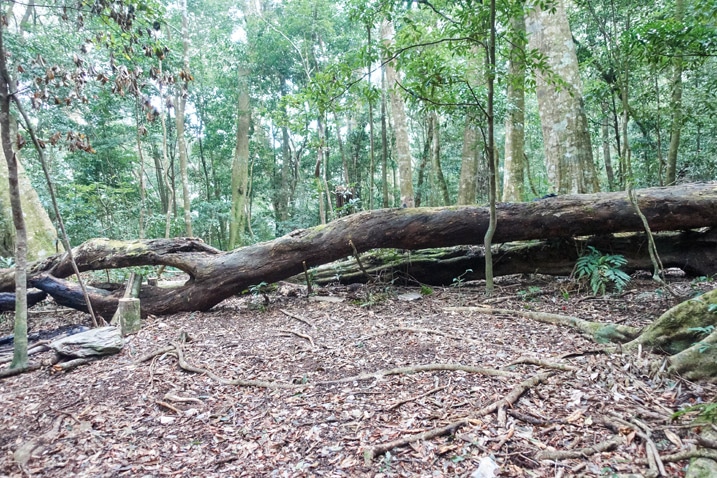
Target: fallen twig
(167, 405)
(371, 452)
(151, 355)
(294, 316)
(299, 334)
(418, 397)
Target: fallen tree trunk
(216, 275)
(695, 252)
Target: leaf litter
(381, 366)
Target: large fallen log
(694, 252)
(216, 275)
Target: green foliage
(425, 290)
(601, 271)
(702, 413)
(458, 281)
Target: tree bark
(568, 152)
(400, 126)
(693, 252)
(513, 179)
(240, 164)
(216, 275)
(467, 185)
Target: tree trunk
(400, 127)
(440, 180)
(675, 106)
(568, 152)
(216, 275)
(240, 164)
(514, 165)
(179, 120)
(420, 188)
(19, 275)
(467, 185)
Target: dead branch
(170, 407)
(70, 364)
(417, 397)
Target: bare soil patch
(118, 417)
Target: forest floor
(121, 417)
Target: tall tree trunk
(19, 359)
(491, 154)
(568, 152)
(607, 157)
(319, 169)
(240, 163)
(420, 189)
(467, 185)
(384, 141)
(179, 119)
(372, 165)
(436, 161)
(675, 106)
(513, 180)
(400, 126)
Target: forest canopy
(238, 122)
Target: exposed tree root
(606, 445)
(11, 372)
(415, 331)
(176, 349)
(599, 332)
(294, 316)
(431, 367)
(299, 334)
(417, 397)
(542, 363)
(371, 452)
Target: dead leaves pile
(310, 388)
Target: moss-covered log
(695, 252)
(216, 275)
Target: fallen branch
(371, 452)
(70, 364)
(598, 331)
(170, 407)
(417, 397)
